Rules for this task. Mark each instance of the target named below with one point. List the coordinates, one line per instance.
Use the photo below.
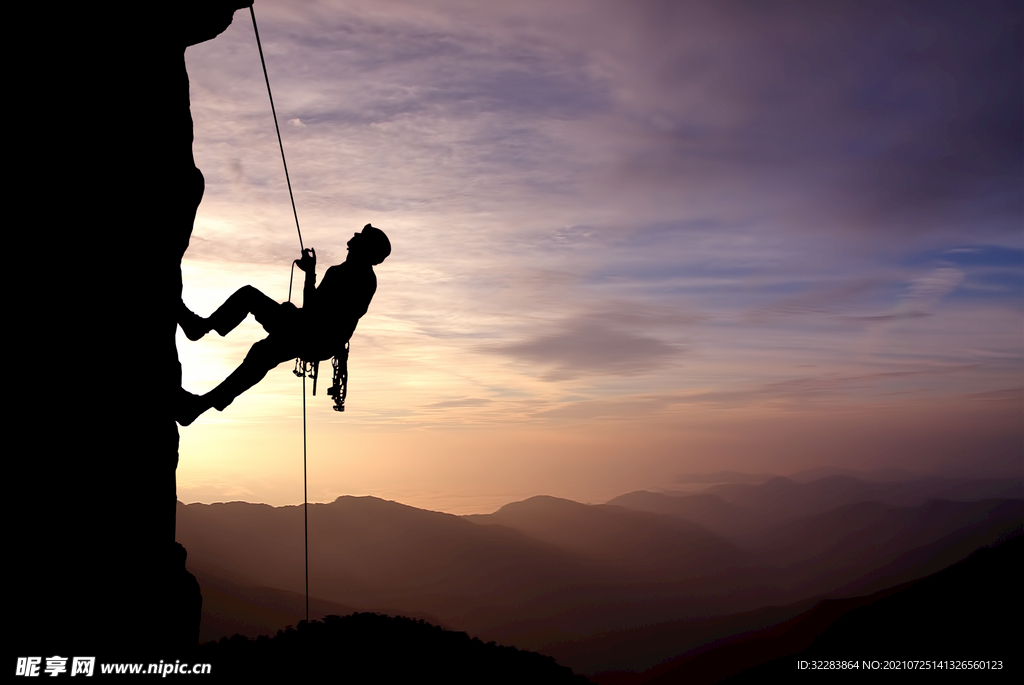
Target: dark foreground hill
(364, 648)
(231, 608)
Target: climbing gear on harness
(339, 389)
(339, 382)
(304, 369)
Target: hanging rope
(273, 111)
(305, 492)
(305, 497)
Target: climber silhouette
(316, 332)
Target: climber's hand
(308, 261)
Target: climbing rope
(305, 495)
(280, 144)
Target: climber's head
(370, 245)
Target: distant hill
(724, 477)
(493, 580)
(876, 475)
(959, 613)
(639, 648)
(804, 476)
(382, 556)
(830, 550)
(857, 549)
(653, 545)
(707, 510)
(742, 511)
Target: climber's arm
(308, 265)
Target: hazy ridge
(573, 580)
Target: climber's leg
(262, 357)
(245, 301)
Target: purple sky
(631, 240)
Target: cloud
(625, 408)
(820, 300)
(253, 252)
(805, 392)
(463, 402)
(587, 345)
(1010, 396)
(921, 298)
(886, 318)
(925, 292)
(891, 120)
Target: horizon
(630, 242)
(490, 504)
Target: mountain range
(583, 582)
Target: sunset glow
(631, 241)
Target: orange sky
(626, 247)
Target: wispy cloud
(922, 296)
(590, 345)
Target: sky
(631, 240)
